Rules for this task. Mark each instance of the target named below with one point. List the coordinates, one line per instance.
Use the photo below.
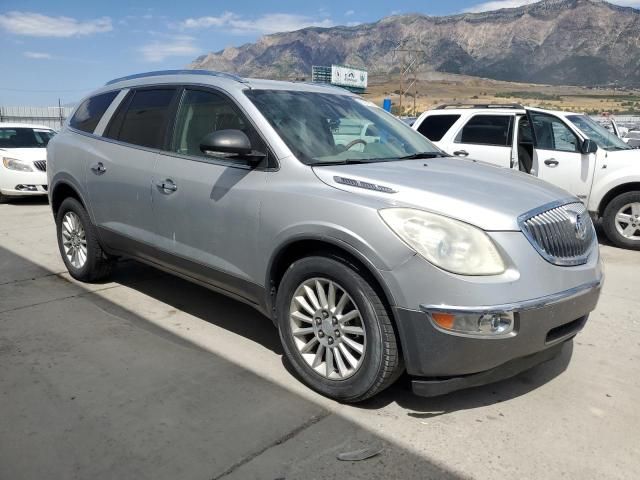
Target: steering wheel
(354, 143)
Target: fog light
(474, 323)
(26, 188)
(495, 323)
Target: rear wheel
(621, 220)
(3, 198)
(336, 331)
(78, 243)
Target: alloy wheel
(327, 328)
(74, 240)
(628, 221)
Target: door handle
(461, 153)
(98, 168)
(552, 162)
(167, 186)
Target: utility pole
(410, 60)
(60, 112)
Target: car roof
(224, 80)
(497, 109)
(558, 113)
(23, 125)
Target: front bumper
(13, 183)
(540, 325)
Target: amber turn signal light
(444, 320)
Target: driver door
(206, 207)
(558, 157)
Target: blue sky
(64, 49)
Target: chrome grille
(563, 235)
(41, 165)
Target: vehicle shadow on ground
(91, 389)
(199, 302)
(521, 384)
(247, 322)
(27, 201)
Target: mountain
(578, 42)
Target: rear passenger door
(486, 137)
(119, 176)
(207, 206)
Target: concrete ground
(150, 377)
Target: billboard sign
(348, 76)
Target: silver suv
(370, 252)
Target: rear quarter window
(89, 113)
(435, 127)
(144, 119)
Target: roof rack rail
(157, 73)
(480, 105)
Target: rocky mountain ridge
(579, 42)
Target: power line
(28, 90)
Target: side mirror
(233, 142)
(589, 146)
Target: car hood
(24, 153)
(624, 156)
(489, 197)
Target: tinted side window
(435, 126)
(88, 114)
(553, 134)
(204, 112)
(487, 130)
(144, 121)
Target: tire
(3, 198)
(96, 265)
(626, 204)
(380, 364)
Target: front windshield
(593, 130)
(325, 128)
(21, 137)
(633, 135)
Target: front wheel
(336, 331)
(621, 220)
(78, 243)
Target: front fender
(610, 180)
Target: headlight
(15, 164)
(449, 244)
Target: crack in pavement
(31, 279)
(285, 438)
(77, 295)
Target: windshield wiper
(419, 155)
(349, 161)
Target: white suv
(569, 150)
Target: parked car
(23, 149)
(609, 123)
(566, 149)
(632, 139)
(369, 261)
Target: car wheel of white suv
(336, 331)
(78, 243)
(621, 220)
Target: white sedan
(23, 165)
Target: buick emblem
(580, 224)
